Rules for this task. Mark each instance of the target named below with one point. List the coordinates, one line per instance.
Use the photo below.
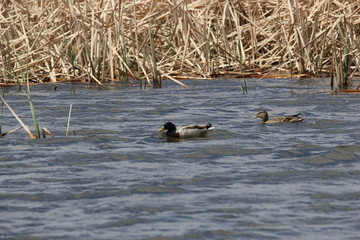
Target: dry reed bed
(47, 40)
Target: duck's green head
(168, 126)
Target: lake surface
(116, 178)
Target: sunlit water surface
(116, 178)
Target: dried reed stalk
(68, 122)
(46, 131)
(101, 40)
(11, 131)
(27, 129)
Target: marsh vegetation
(148, 40)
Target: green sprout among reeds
(99, 67)
(25, 77)
(23, 125)
(156, 79)
(33, 114)
(345, 58)
(239, 53)
(71, 56)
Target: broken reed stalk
(11, 131)
(94, 41)
(46, 131)
(18, 119)
(68, 122)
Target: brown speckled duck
(265, 118)
(189, 131)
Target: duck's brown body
(291, 118)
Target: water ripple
(116, 178)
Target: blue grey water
(116, 178)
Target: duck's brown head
(263, 115)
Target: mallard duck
(187, 131)
(265, 118)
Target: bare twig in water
(68, 122)
(46, 131)
(244, 87)
(11, 131)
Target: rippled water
(116, 178)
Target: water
(116, 178)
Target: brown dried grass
(112, 40)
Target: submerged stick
(11, 131)
(173, 79)
(68, 122)
(17, 118)
(46, 131)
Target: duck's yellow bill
(161, 129)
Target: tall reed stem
(68, 122)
